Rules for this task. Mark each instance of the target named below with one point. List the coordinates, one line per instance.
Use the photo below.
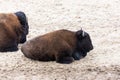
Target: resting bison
(13, 30)
(63, 46)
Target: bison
(63, 46)
(13, 30)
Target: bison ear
(81, 34)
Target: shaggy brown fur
(10, 32)
(58, 45)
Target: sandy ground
(100, 18)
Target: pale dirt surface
(100, 18)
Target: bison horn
(83, 33)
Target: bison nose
(91, 48)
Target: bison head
(84, 44)
(24, 22)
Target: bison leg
(64, 57)
(79, 55)
(9, 48)
(76, 56)
(65, 60)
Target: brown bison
(13, 30)
(64, 46)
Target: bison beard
(12, 31)
(64, 46)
